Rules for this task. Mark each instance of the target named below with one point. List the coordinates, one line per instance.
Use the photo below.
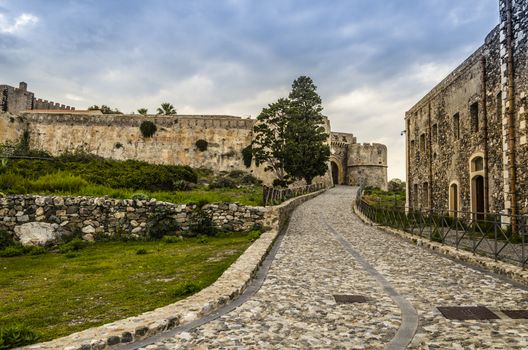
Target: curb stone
(516, 273)
(226, 288)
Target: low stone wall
(103, 216)
(229, 286)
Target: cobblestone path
(295, 308)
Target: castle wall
(367, 165)
(15, 100)
(119, 137)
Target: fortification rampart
(119, 137)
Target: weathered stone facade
(15, 100)
(357, 164)
(116, 217)
(466, 139)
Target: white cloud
(75, 97)
(17, 24)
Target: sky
(371, 60)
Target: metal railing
(277, 195)
(487, 234)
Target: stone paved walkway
(295, 308)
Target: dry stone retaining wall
(111, 217)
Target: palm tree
(142, 111)
(166, 109)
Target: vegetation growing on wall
(104, 109)
(142, 111)
(148, 128)
(202, 145)
(247, 156)
(166, 109)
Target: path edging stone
(516, 273)
(227, 287)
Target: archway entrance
(477, 186)
(335, 173)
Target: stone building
(357, 164)
(15, 100)
(466, 140)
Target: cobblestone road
(295, 308)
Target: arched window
(477, 187)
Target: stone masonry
(15, 100)
(111, 217)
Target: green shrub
(161, 223)
(59, 182)
(74, 245)
(141, 251)
(223, 182)
(182, 185)
(37, 250)
(254, 235)
(200, 223)
(171, 239)
(202, 145)
(148, 128)
(13, 250)
(202, 239)
(186, 288)
(15, 335)
(247, 156)
(5, 239)
(14, 183)
(138, 196)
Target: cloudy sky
(371, 59)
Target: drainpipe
(485, 134)
(430, 190)
(510, 109)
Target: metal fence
(496, 235)
(277, 195)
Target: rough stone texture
(358, 164)
(294, 309)
(231, 284)
(37, 234)
(15, 100)
(105, 216)
(437, 158)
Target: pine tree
(290, 137)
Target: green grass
(58, 294)
(66, 184)
(378, 197)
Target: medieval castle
(58, 129)
(466, 140)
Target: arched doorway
(335, 173)
(453, 200)
(477, 189)
(477, 183)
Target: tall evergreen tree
(307, 150)
(290, 137)
(269, 143)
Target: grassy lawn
(378, 197)
(58, 294)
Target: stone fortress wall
(15, 100)
(466, 139)
(358, 164)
